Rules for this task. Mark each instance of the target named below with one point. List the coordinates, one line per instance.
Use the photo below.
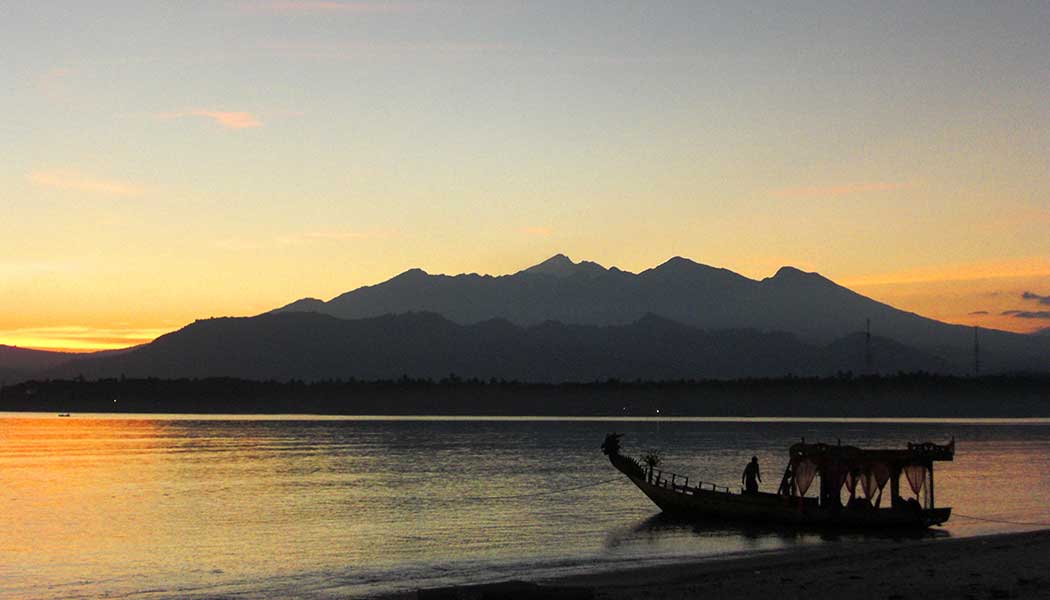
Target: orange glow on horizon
(1036, 266)
(78, 339)
(964, 294)
(976, 294)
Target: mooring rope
(1004, 521)
(546, 493)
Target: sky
(168, 161)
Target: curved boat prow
(624, 464)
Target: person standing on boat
(751, 476)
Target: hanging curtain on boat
(867, 483)
(852, 479)
(835, 477)
(874, 478)
(882, 474)
(805, 471)
(916, 475)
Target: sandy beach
(998, 566)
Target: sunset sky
(167, 161)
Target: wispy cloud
(834, 191)
(227, 119)
(978, 312)
(292, 239)
(1038, 298)
(1027, 314)
(11, 268)
(536, 231)
(238, 244)
(335, 235)
(324, 7)
(367, 50)
(65, 179)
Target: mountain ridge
(312, 346)
(570, 321)
(17, 363)
(806, 304)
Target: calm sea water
(162, 506)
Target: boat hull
(697, 503)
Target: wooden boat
(839, 470)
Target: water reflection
(117, 506)
(662, 528)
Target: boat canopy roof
(849, 457)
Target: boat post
(895, 486)
(931, 485)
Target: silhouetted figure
(751, 476)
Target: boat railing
(679, 483)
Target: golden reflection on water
(121, 505)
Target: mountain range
(563, 321)
(808, 305)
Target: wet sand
(998, 566)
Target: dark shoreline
(902, 396)
(1009, 565)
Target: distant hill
(311, 346)
(17, 363)
(915, 395)
(808, 305)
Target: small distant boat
(839, 470)
(63, 414)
